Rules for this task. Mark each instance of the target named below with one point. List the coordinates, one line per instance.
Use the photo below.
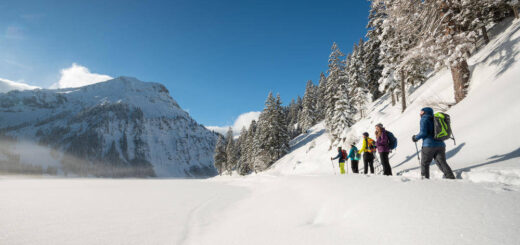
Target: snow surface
(300, 200)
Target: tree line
(406, 41)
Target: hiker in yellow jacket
(368, 150)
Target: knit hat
(365, 134)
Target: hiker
(383, 147)
(367, 150)
(341, 156)
(431, 148)
(353, 155)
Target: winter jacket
(383, 143)
(340, 157)
(426, 133)
(365, 148)
(352, 154)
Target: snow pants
(387, 169)
(368, 160)
(439, 154)
(342, 167)
(354, 165)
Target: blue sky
(219, 59)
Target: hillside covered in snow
(487, 146)
(118, 128)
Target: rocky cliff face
(118, 128)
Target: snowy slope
(484, 124)
(7, 85)
(122, 127)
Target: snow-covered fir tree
(372, 49)
(335, 78)
(358, 91)
(272, 138)
(308, 116)
(401, 31)
(342, 119)
(219, 157)
(293, 113)
(250, 147)
(320, 104)
(231, 152)
(241, 145)
(447, 39)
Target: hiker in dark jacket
(342, 159)
(431, 148)
(353, 155)
(383, 147)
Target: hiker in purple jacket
(383, 147)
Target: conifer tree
(321, 102)
(241, 146)
(335, 78)
(231, 152)
(271, 136)
(342, 120)
(220, 155)
(308, 115)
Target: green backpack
(442, 127)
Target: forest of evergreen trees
(406, 41)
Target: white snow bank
(259, 209)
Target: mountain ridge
(118, 128)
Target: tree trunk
(484, 34)
(403, 94)
(515, 10)
(460, 74)
(393, 98)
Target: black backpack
(392, 140)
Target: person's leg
(371, 163)
(354, 165)
(427, 154)
(385, 162)
(342, 167)
(365, 162)
(440, 160)
(387, 156)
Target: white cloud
(78, 76)
(8, 85)
(242, 121)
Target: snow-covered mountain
(121, 127)
(7, 85)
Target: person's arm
(363, 147)
(423, 132)
(338, 156)
(384, 139)
(351, 153)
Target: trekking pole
(333, 169)
(417, 149)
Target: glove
(414, 139)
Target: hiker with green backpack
(354, 157)
(433, 146)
